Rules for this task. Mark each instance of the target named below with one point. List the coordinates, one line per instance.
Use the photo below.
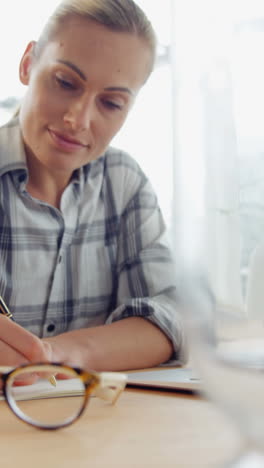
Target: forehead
(93, 47)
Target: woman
(85, 267)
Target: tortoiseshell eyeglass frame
(105, 385)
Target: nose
(80, 114)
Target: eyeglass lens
(35, 400)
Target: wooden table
(146, 428)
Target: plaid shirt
(102, 257)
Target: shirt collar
(12, 152)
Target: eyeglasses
(30, 395)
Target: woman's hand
(19, 346)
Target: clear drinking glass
(218, 202)
(221, 289)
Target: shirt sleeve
(146, 281)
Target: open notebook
(178, 379)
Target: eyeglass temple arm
(111, 385)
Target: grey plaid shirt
(101, 258)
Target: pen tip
(53, 381)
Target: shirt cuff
(163, 313)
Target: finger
(10, 357)
(61, 376)
(28, 378)
(24, 343)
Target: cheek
(115, 124)
(108, 130)
(50, 104)
(41, 101)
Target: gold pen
(6, 312)
(4, 309)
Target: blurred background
(203, 105)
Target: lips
(66, 142)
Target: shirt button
(51, 327)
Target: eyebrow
(74, 68)
(83, 77)
(120, 88)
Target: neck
(47, 193)
(44, 184)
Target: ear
(26, 63)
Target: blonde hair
(118, 15)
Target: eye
(112, 105)
(65, 84)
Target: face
(79, 93)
